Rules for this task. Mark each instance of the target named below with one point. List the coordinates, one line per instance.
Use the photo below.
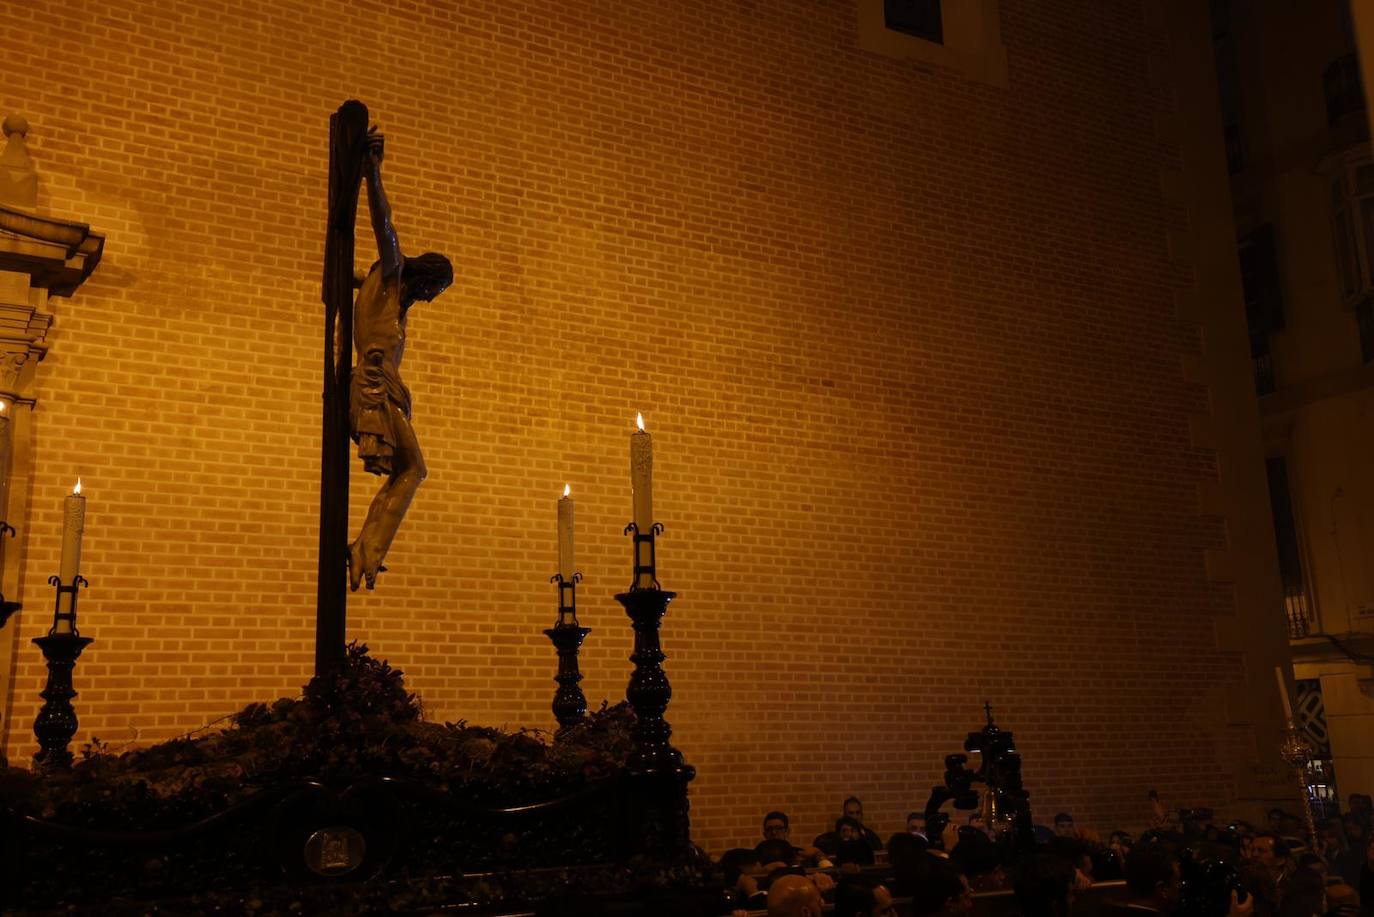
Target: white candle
(566, 567)
(1283, 693)
(642, 486)
(73, 526)
(642, 476)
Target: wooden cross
(347, 153)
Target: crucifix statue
(369, 403)
(378, 401)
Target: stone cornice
(58, 255)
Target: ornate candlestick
(569, 703)
(649, 691)
(646, 560)
(1296, 752)
(56, 722)
(658, 825)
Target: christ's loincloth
(373, 389)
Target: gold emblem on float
(335, 851)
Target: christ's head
(426, 276)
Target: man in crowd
(798, 896)
(1045, 886)
(856, 898)
(916, 824)
(1265, 872)
(1063, 825)
(1152, 880)
(778, 827)
(940, 890)
(738, 867)
(854, 808)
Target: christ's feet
(361, 568)
(356, 567)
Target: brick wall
(906, 343)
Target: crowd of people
(1186, 865)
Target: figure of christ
(378, 401)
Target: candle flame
(567, 490)
(639, 420)
(77, 488)
(3, 405)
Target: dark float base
(347, 802)
(415, 852)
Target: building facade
(1302, 177)
(942, 342)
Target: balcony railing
(1299, 612)
(1344, 88)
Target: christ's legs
(389, 505)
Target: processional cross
(367, 403)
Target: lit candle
(1283, 693)
(566, 567)
(642, 485)
(73, 526)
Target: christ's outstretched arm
(388, 248)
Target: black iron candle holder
(646, 560)
(656, 798)
(58, 615)
(56, 722)
(569, 703)
(7, 608)
(649, 691)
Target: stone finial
(18, 180)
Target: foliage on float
(357, 725)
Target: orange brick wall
(906, 343)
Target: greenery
(359, 724)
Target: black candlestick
(658, 824)
(646, 560)
(569, 703)
(56, 722)
(649, 690)
(58, 615)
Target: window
(1310, 718)
(1259, 278)
(915, 17)
(1295, 599)
(1262, 364)
(1224, 56)
(1352, 223)
(1343, 88)
(965, 37)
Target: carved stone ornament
(58, 255)
(18, 178)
